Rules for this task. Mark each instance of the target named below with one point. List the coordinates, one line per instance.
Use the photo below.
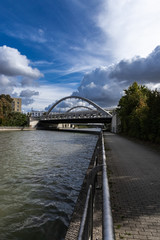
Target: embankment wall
(16, 129)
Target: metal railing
(107, 216)
(86, 227)
(85, 232)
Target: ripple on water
(41, 174)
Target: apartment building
(16, 104)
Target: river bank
(82, 130)
(16, 129)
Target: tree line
(7, 116)
(139, 113)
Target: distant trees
(139, 112)
(7, 116)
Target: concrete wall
(33, 123)
(115, 124)
(15, 129)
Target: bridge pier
(33, 122)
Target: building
(36, 113)
(17, 104)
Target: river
(41, 173)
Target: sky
(95, 49)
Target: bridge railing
(82, 114)
(86, 227)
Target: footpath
(134, 179)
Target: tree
(133, 110)
(7, 116)
(5, 107)
(17, 119)
(153, 123)
(5, 104)
(139, 111)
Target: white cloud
(4, 81)
(131, 26)
(6, 84)
(15, 71)
(12, 63)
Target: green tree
(139, 111)
(17, 119)
(7, 116)
(133, 110)
(5, 107)
(5, 104)
(153, 121)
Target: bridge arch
(80, 106)
(81, 98)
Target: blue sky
(54, 48)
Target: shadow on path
(134, 178)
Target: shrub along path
(134, 178)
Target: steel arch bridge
(80, 98)
(99, 115)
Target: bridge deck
(134, 180)
(73, 121)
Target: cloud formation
(6, 84)
(12, 63)
(28, 93)
(145, 70)
(131, 27)
(15, 71)
(27, 33)
(105, 85)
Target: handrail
(107, 216)
(86, 227)
(83, 233)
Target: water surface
(41, 173)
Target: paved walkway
(134, 178)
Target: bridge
(90, 114)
